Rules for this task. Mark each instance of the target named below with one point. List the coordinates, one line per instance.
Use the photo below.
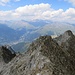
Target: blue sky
(29, 10)
(56, 4)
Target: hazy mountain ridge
(45, 56)
(24, 31)
(7, 34)
(21, 47)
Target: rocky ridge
(45, 56)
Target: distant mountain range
(8, 34)
(14, 32)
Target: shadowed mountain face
(8, 34)
(45, 56)
(6, 55)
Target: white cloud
(4, 2)
(71, 1)
(39, 11)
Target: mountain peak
(69, 32)
(64, 37)
(43, 38)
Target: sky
(31, 10)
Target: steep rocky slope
(6, 55)
(45, 56)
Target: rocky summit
(45, 56)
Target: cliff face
(45, 56)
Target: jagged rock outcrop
(6, 55)
(45, 56)
(64, 37)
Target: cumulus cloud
(71, 1)
(39, 12)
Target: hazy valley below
(23, 32)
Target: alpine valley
(22, 33)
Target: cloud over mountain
(39, 11)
